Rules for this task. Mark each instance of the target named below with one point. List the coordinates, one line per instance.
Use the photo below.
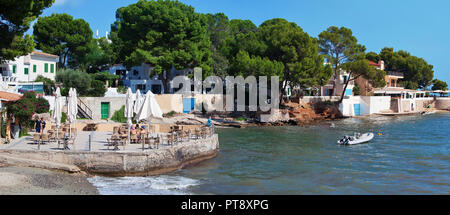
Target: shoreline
(18, 180)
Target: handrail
(85, 108)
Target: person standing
(37, 125)
(42, 125)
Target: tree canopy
(343, 52)
(277, 48)
(164, 34)
(64, 36)
(15, 19)
(439, 85)
(417, 72)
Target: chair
(197, 133)
(170, 138)
(116, 129)
(36, 138)
(44, 138)
(134, 138)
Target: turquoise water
(410, 157)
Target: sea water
(408, 155)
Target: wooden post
(1, 124)
(8, 127)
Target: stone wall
(443, 103)
(149, 162)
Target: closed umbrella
(57, 111)
(72, 108)
(150, 108)
(129, 110)
(69, 110)
(138, 101)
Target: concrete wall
(379, 103)
(94, 103)
(211, 101)
(150, 162)
(170, 102)
(368, 104)
(443, 103)
(308, 99)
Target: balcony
(9, 79)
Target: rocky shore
(16, 180)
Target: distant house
(336, 85)
(27, 68)
(139, 77)
(391, 79)
(21, 72)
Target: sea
(408, 155)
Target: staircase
(83, 110)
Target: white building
(336, 85)
(27, 68)
(138, 77)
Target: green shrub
(241, 119)
(97, 89)
(356, 90)
(49, 85)
(170, 114)
(119, 115)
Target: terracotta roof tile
(9, 96)
(44, 54)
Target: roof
(10, 97)
(44, 54)
(393, 90)
(374, 64)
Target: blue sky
(417, 26)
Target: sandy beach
(32, 181)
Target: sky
(420, 27)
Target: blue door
(357, 108)
(186, 105)
(348, 92)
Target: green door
(105, 110)
(25, 70)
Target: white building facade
(27, 68)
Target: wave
(152, 185)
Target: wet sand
(32, 181)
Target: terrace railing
(83, 110)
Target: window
(34, 68)
(121, 72)
(156, 89)
(52, 68)
(25, 70)
(140, 87)
(46, 67)
(14, 69)
(135, 73)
